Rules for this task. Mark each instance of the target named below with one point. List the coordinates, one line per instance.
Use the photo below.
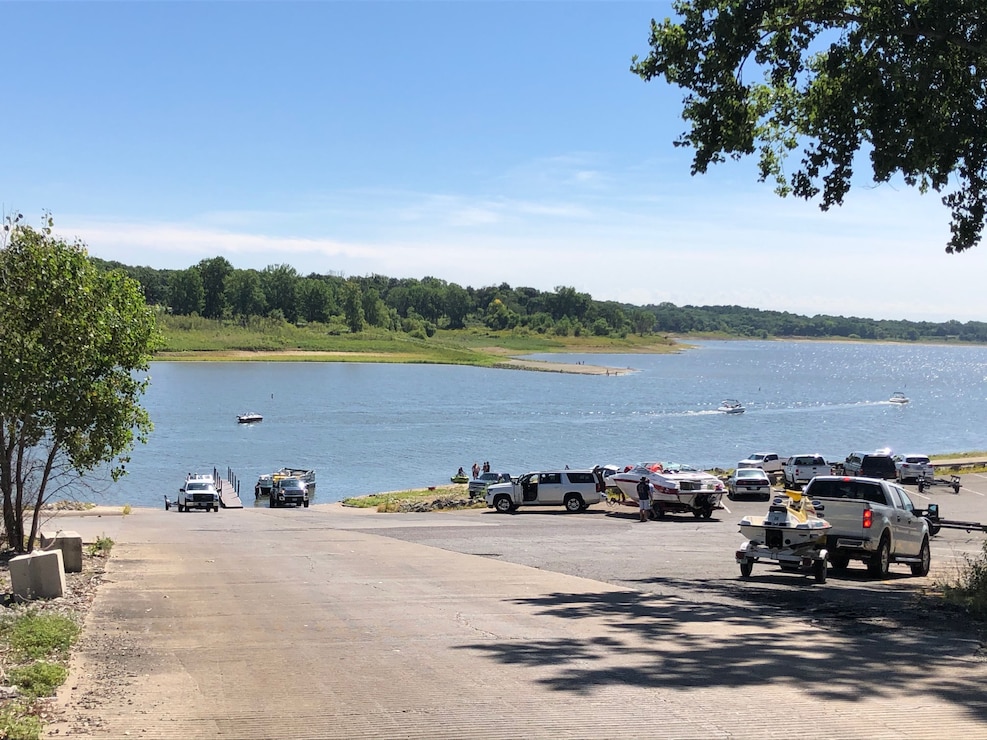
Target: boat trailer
(953, 482)
(936, 523)
(810, 557)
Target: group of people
(476, 469)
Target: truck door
(529, 488)
(908, 524)
(549, 488)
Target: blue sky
(477, 142)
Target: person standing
(644, 489)
(476, 470)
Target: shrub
(969, 588)
(42, 635)
(17, 723)
(102, 546)
(38, 679)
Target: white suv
(913, 467)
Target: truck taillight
(868, 518)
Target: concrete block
(70, 543)
(38, 575)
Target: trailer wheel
(922, 568)
(746, 568)
(921, 485)
(956, 488)
(819, 570)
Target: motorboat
(249, 418)
(677, 488)
(898, 397)
(731, 406)
(791, 522)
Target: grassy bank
(193, 338)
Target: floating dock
(229, 491)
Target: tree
(214, 274)
(186, 293)
(352, 300)
(903, 82)
(74, 342)
(280, 283)
(244, 295)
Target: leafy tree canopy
(71, 340)
(903, 81)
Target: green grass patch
(17, 722)
(968, 588)
(377, 500)
(37, 636)
(38, 679)
(102, 545)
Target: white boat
(790, 523)
(249, 418)
(898, 397)
(731, 406)
(677, 488)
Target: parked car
(769, 462)
(573, 489)
(478, 486)
(870, 465)
(749, 482)
(288, 492)
(913, 467)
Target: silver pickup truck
(872, 520)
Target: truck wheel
(881, 560)
(305, 504)
(819, 570)
(839, 562)
(503, 504)
(270, 502)
(746, 568)
(180, 507)
(573, 503)
(925, 554)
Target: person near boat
(644, 489)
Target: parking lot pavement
(322, 623)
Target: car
(288, 492)
(478, 486)
(913, 467)
(749, 482)
(769, 462)
(878, 464)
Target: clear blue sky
(477, 142)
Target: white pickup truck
(872, 520)
(801, 469)
(769, 462)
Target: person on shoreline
(476, 470)
(644, 489)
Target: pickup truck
(801, 469)
(872, 520)
(769, 462)
(198, 492)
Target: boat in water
(731, 406)
(791, 522)
(898, 397)
(677, 488)
(251, 417)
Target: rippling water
(367, 428)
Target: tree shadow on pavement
(772, 639)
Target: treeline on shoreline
(214, 289)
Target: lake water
(368, 428)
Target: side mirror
(932, 512)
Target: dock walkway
(229, 497)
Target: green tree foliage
(186, 292)
(74, 341)
(214, 273)
(280, 284)
(244, 294)
(904, 83)
(353, 306)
